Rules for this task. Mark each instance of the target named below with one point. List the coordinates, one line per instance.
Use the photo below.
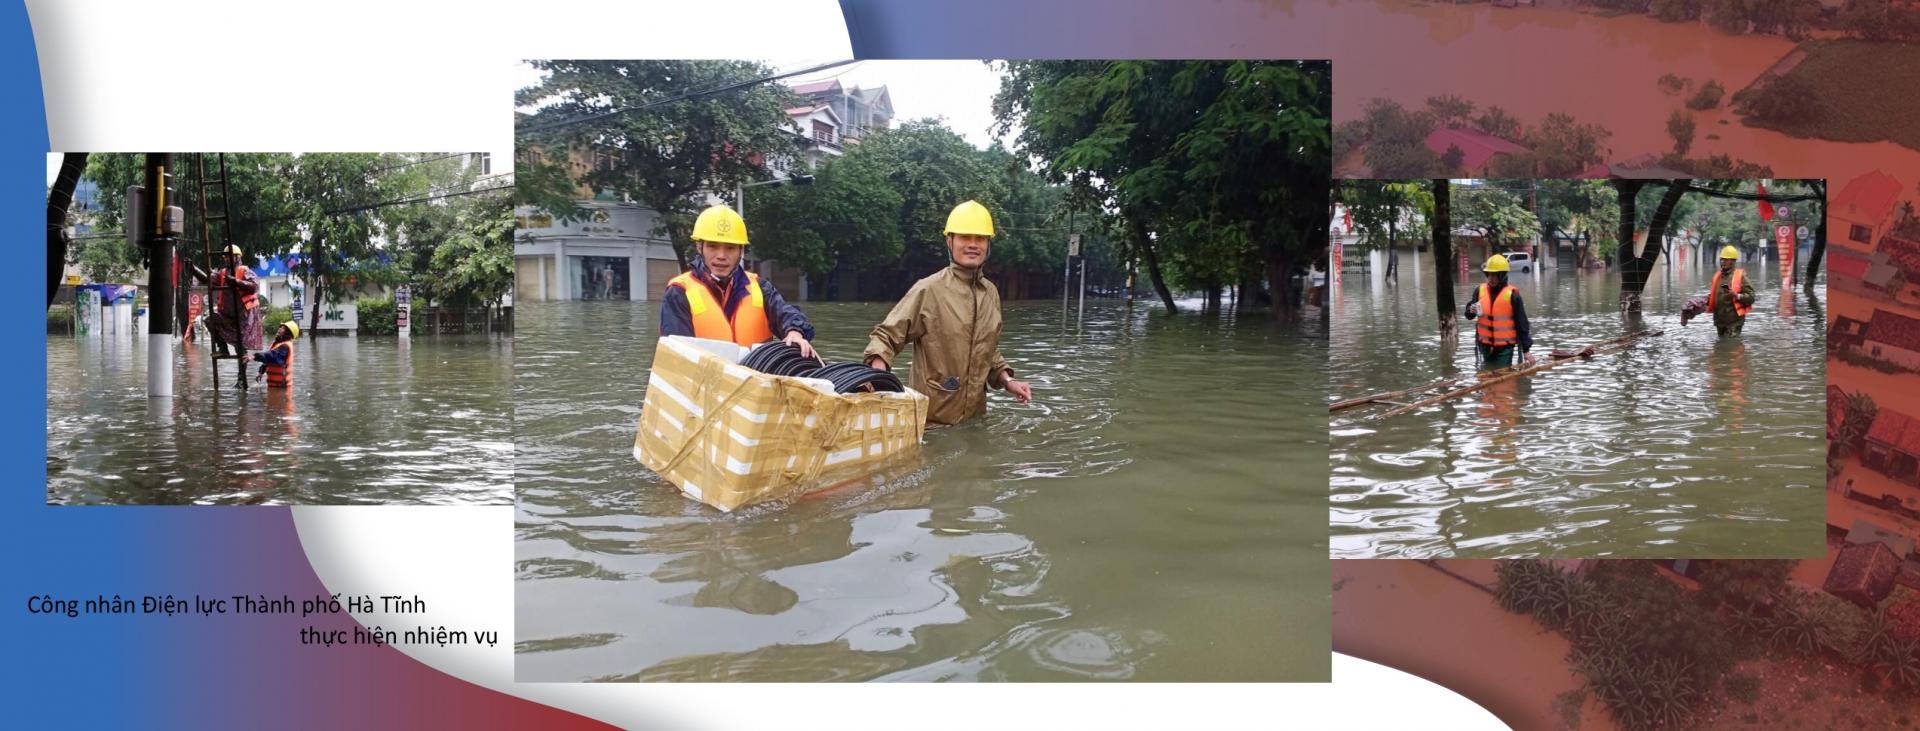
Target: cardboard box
(730, 436)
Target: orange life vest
(1739, 283)
(281, 376)
(749, 323)
(248, 301)
(1496, 327)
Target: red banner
(1784, 234)
(1337, 246)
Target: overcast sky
(960, 91)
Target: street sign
(1785, 212)
(73, 280)
(1803, 233)
(1073, 245)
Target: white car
(1520, 262)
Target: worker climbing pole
(213, 251)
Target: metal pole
(1083, 287)
(160, 240)
(740, 198)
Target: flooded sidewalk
(1686, 444)
(368, 421)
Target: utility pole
(1066, 277)
(161, 224)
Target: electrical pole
(161, 223)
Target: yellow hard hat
(1729, 253)
(234, 249)
(1496, 264)
(970, 218)
(720, 225)
(292, 328)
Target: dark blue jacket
(273, 356)
(676, 318)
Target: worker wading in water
(1500, 317)
(720, 300)
(953, 320)
(235, 320)
(276, 362)
(1732, 295)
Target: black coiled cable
(851, 377)
(781, 359)
(784, 359)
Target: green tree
(1707, 96)
(1191, 154)
(1498, 214)
(1497, 122)
(1562, 147)
(1680, 127)
(647, 138)
(1397, 142)
(1450, 111)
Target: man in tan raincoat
(953, 320)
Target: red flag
(1349, 213)
(1766, 207)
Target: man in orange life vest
(1500, 318)
(720, 300)
(1732, 295)
(276, 363)
(235, 321)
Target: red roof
(1868, 197)
(1479, 146)
(1892, 328)
(1840, 263)
(817, 86)
(1896, 430)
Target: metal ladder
(207, 217)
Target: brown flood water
(1536, 61)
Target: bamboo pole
(1349, 403)
(1597, 348)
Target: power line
(682, 97)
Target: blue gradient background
(156, 671)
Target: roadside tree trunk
(1633, 278)
(58, 201)
(1819, 241)
(1140, 234)
(1443, 260)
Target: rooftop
(1895, 329)
(1478, 146)
(1868, 197)
(1896, 430)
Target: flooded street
(370, 421)
(1683, 445)
(1152, 515)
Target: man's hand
(874, 361)
(794, 338)
(1020, 390)
(1527, 358)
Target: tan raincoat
(1725, 317)
(953, 320)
